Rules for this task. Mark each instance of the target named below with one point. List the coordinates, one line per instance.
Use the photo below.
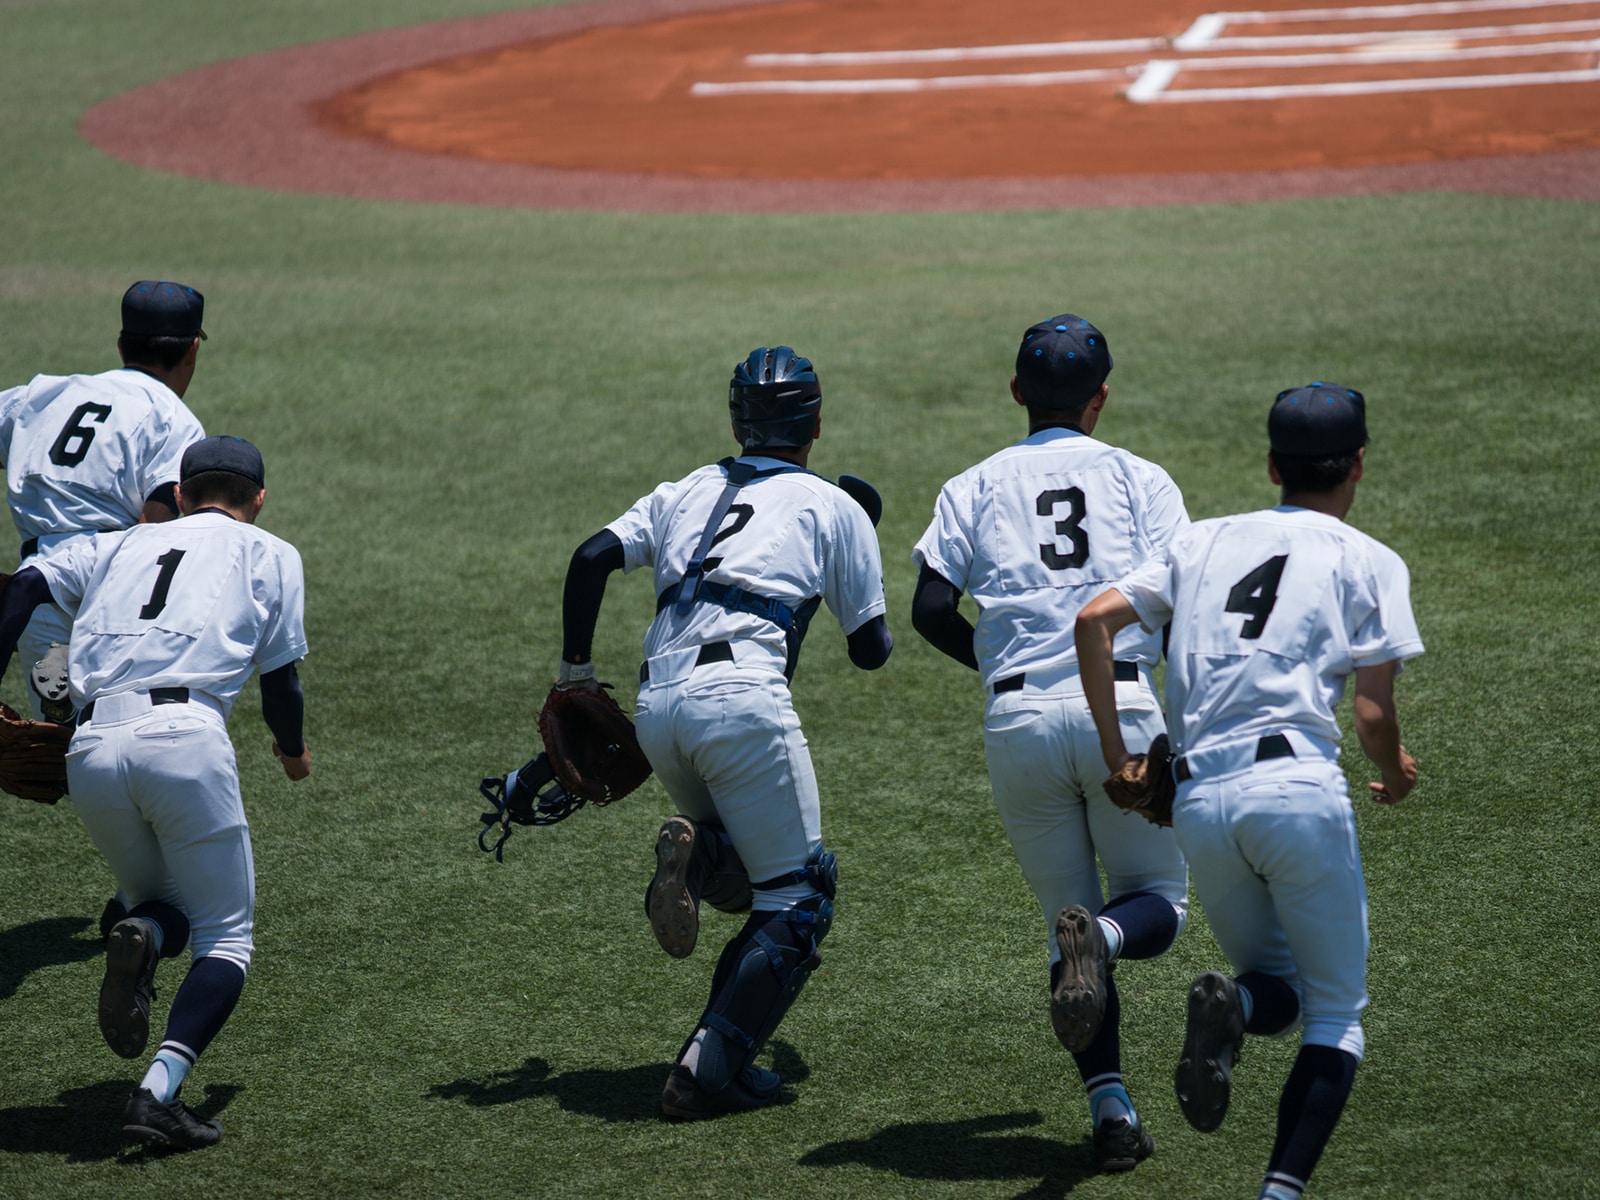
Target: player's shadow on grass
(47, 942)
(965, 1150)
(86, 1124)
(629, 1094)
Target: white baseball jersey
(84, 452)
(787, 537)
(1038, 530)
(1270, 612)
(202, 602)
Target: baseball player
(1033, 532)
(742, 552)
(171, 620)
(1271, 612)
(91, 453)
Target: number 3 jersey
(1270, 612)
(1037, 531)
(84, 452)
(788, 537)
(201, 602)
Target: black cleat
(673, 898)
(1120, 1145)
(109, 916)
(1204, 1078)
(1078, 1000)
(129, 986)
(683, 1099)
(170, 1125)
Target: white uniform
(187, 608)
(82, 454)
(1034, 533)
(723, 735)
(1271, 612)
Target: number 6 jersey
(202, 602)
(1036, 531)
(1270, 612)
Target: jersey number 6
(73, 442)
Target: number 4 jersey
(202, 602)
(1271, 611)
(84, 452)
(1038, 530)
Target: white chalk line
(854, 87)
(875, 58)
(1367, 88)
(1383, 12)
(1475, 33)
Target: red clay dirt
(590, 106)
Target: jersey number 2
(168, 563)
(1069, 527)
(1255, 595)
(73, 443)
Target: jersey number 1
(1255, 595)
(168, 563)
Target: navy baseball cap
(1318, 420)
(1062, 362)
(161, 308)
(223, 454)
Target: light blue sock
(166, 1074)
(1110, 1101)
(1113, 933)
(1279, 1191)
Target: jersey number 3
(1069, 527)
(1255, 595)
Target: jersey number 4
(1069, 527)
(1255, 595)
(73, 442)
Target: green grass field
(450, 399)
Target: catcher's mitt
(33, 757)
(1145, 784)
(593, 750)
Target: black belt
(157, 696)
(1126, 672)
(1274, 745)
(709, 653)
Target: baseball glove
(33, 757)
(593, 750)
(1145, 784)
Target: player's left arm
(283, 707)
(585, 587)
(1378, 729)
(1095, 635)
(161, 505)
(23, 592)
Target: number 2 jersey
(1270, 612)
(788, 537)
(84, 452)
(1038, 530)
(202, 602)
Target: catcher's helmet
(774, 399)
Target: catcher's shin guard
(760, 974)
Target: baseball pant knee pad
(760, 974)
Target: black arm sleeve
(936, 615)
(870, 644)
(25, 591)
(283, 707)
(166, 494)
(591, 564)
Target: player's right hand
(1396, 787)
(296, 768)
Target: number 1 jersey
(202, 602)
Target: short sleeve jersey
(1037, 531)
(202, 602)
(792, 536)
(84, 452)
(1271, 611)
